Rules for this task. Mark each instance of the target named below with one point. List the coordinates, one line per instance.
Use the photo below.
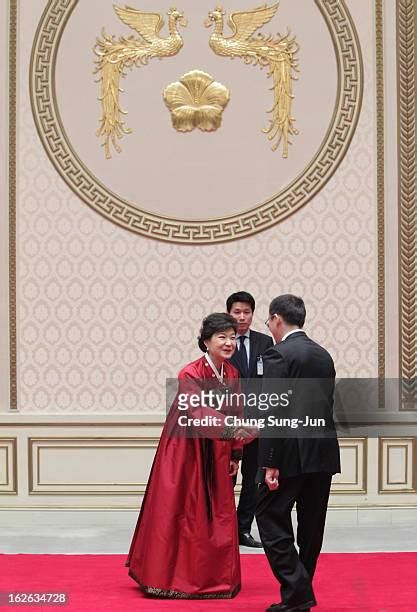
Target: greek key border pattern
(12, 168)
(407, 156)
(130, 216)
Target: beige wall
(105, 315)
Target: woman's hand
(233, 468)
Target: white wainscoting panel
(8, 466)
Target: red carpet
(376, 582)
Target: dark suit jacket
(298, 357)
(258, 345)
(252, 384)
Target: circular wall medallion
(131, 215)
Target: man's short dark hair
(240, 296)
(290, 307)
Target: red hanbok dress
(185, 544)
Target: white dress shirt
(292, 331)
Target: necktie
(243, 356)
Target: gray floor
(112, 540)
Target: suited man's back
(299, 357)
(305, 358)
(300, 455)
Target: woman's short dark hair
(213, 324)
(290, 307)
(240, 296)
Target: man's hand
(234, 466)
(271, 478)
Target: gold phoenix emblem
(277, 54)
(196, 101)
(116, 55)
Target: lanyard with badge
(259, 365)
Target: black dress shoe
(283, 607)
(245, 539)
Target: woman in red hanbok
(185, 543)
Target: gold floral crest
(196, 101)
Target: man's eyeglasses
(269, 318)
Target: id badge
(259, 366)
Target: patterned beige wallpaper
(105, 315)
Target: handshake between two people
(245, 433)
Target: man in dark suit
(251, 345)
(297, 468)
